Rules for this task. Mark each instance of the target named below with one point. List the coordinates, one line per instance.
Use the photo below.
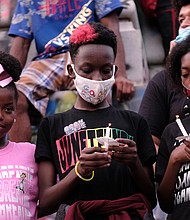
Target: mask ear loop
(113, 70)
(73, 67)
(186, 90)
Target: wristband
(78, 174)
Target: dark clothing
(160, 14)
(168, 143)
(62, 137)
(161, 102)
(167, 22)
(135, 207)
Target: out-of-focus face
(185, 70)
(184, 17)
(7, 110)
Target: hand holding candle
(106, 140)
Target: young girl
(117, 180)
(18, 170)
(173, 164)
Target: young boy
(67, 143)
(49, 24)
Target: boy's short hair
(91, 33)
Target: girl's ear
(70, 71)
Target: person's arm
(52, 194)
(125, 87)
(179, 155)
(19, 49)
(144, 179)
(156, 142)
(154, 105)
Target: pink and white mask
(93, 91)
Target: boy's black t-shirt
(62, 137)
(182, 192)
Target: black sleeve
(166, 146)
(43, 145)
(145, 145)
(154, 106)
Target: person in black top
(173, 164)
(67, 143)
(162, 100)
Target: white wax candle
(183, 131)
(108, 130)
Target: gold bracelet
(78, 174)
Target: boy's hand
(93, 158)
(124, 88)
(126, 152)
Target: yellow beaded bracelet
(78, 174)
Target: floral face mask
(93, 91)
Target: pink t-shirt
(18, 182)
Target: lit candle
(107, 135)
(181, 127)
(108, 131)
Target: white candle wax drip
(107, 135)
(108, 130)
